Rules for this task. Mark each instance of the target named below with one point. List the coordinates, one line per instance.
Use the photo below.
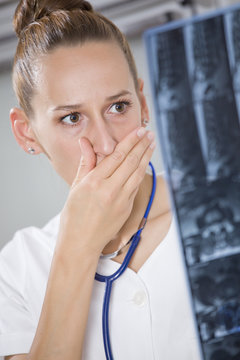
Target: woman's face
(84, 91)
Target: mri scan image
(194, 70)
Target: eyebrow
(77, 106)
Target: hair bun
(29, 11)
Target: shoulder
(31, 236)
(27, 245)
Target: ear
(143, 102)
(23, 131)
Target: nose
(102, 139)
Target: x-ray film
(195, 75)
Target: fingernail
(151, 135)
(153, 145)
(141, 131)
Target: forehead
(83, 69)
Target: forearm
(62, 324)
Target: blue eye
(71, 119)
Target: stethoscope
(111, 278)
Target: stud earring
(145, 121)
(31, 150)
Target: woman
(83, 106)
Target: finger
(87, 160)
(108, 165)
(137, 177)
(132, 161)
(133, 195)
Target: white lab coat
(150, 312)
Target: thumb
(87, 160)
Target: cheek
(60, 145)
(68, 153)
(129, 125)
(62, 150)
(65, 158)
(67, 168)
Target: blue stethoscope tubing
(109, 279)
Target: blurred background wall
(31, 192)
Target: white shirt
(150, 312)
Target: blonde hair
(41, 26)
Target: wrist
(68, 253)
